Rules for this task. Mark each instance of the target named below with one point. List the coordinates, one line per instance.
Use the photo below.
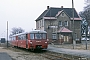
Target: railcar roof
(37, 31)
(33, 31)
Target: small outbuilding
(3, 40)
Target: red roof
(63, 29)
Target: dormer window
(62, 14)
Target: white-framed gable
(62, 14)
(63, 19)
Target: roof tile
(52, 12)
(63, 29)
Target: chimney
(61, 6)
(47, 7)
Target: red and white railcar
(35, 39)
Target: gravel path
(82, 53)
(20, 55)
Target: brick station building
(58, 22)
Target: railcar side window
(31, 36)
(11, 38)
(44, 36)
(14, 38)
(19, 37)
(23, 37)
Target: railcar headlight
(45, 42)
(47, 39)
(30, 42)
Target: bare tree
(87, 1)
(16, 30)
(81, 14)
(86, 14)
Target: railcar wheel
(32, 49)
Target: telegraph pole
(7, 34)
(73, 23)
(86, 31)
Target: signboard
(53, 26)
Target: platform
(4, 56)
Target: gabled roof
(65, 30)
(52, 12)
(59, 13)
(42, 15)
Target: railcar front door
(26, 41)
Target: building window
(40, 23)
(66, 23)
(62, 14)
(53, 36)
(37, 25)
(60, 23)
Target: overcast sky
(22, 13)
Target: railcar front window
(44, 36)
(31, 36)
(38, 36)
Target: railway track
(46, 54)
(49, 55)
(54, 56)
(60, 56)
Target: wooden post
(74, 42)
